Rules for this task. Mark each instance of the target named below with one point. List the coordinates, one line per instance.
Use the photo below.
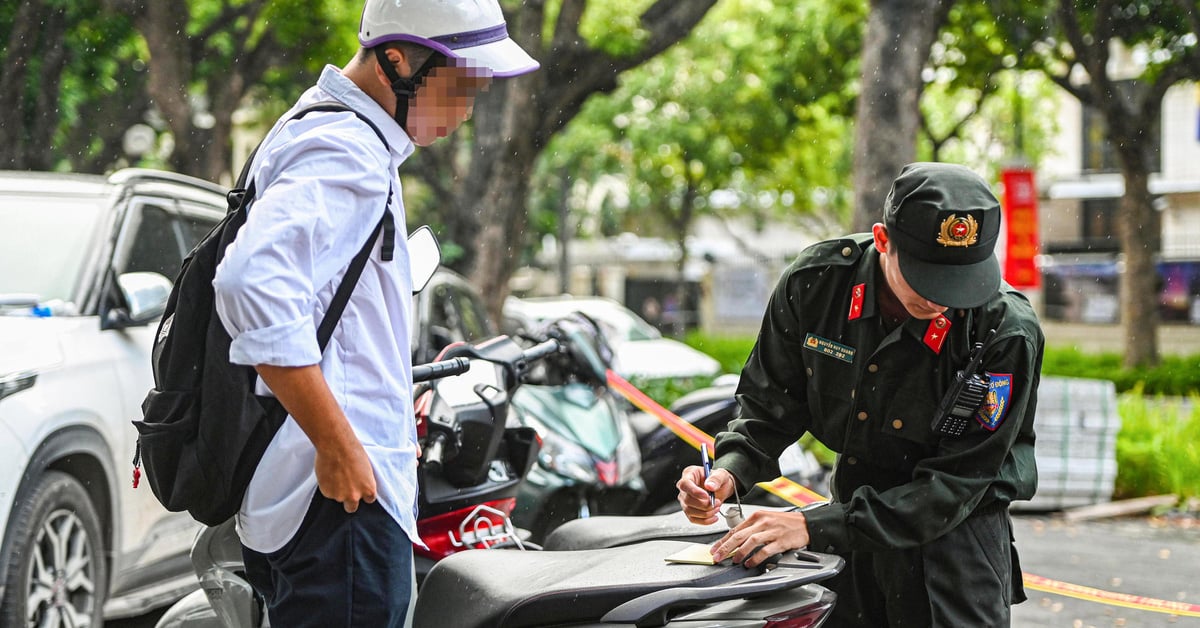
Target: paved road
(1152, 558)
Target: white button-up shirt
(322, 182)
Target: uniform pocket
(991, 533)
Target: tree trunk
(887, 118)
(687, 214)
(163, 25)
(486, 212)
(35, 44)
(492, 197)
(1139, 226)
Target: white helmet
(473, 30)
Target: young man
(860, 342)
(328, 521)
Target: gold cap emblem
(959, 231)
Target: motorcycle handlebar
(541, 350)
(439, 369)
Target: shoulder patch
(995, 405)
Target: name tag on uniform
(829, 348)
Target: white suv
(84, 268)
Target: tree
(76, 74)
(205, 57)
(1079, 37)
(60, 59)
(33, 62)
(480, 180)
(896, 46)
(740, 105)
(981, 106)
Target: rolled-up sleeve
(322, 193)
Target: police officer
(860, 343)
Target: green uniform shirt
(824, 363)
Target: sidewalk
(1135, 556)
(1173, 339)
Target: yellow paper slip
(693, 554)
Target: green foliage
(1175, 375)
(615, 27)
(667, 391)
(1158, 447)
(730, 351)
(757, 100)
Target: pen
(707, 468)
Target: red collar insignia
(936, 333)
(856, 301)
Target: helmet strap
(405, 88)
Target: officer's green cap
(944, 221)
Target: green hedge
(1158, 447)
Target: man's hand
(763, 534)
(344, 474)
(694, 490)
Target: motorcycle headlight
(562, 456)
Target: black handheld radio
(965, 396)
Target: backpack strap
(342, 296)
(241, 196)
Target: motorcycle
(589, 463)
(610, 569)
(469, 472)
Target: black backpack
(203, 428)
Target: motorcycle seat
(614, 531)
(515, 589)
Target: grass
(1158, 447)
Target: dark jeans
(339, 569)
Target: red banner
(1020, 214)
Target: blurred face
(444, 101)
(917, 306)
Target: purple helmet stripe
(473, 38)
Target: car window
(194, 229)
(156, 245)
(44, 241)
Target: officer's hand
(344, 474)
(763, 534)
(693, 493)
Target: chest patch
(830, 348)
(995, 404)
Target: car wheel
(57, 575)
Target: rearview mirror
(145, 296)
(424, 256)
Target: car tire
(57, 572)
